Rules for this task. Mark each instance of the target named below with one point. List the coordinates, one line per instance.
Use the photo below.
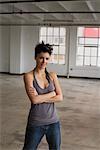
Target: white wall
(15, 51)
(17, 45)
(29, 39)
(4, 48)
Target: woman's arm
(31, 91)
(59, 96)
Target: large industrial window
(88, 46)
(56, 37)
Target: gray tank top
(44, 113)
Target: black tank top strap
(47, 75)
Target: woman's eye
(47, 58)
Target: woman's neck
(40, 71)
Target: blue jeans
(34, 134)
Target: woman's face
(42, 60)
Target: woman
(43, 90)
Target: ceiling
(28, 12)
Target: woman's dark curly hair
(41, 47)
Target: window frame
(85, 45)
(54, 37)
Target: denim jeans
(34, 134)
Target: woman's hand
(53, 93)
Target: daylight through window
(88, 46)
(56, 37)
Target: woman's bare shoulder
(53, 75)
(29, 75)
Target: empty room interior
(72, 28)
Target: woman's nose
(44, 60)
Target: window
(88, 46)
(56, 37)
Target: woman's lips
(43, 65)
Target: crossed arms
(35, 98)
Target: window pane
(62, 40)
(55, 59)
(93, 61)
(80, 50)
(79, 61)
(56, 40)
(99, 61)
(99, 32)
(61, 59)
(43, 31)
(43, 38)
(93, 51)
(80, 31)
(81, 41)
(56, 31)
(87, 61)
(55, 49)
(62, 31)
(99, 51)
(91, 41)
(99, 41)
(50, 31)
(49, 40)
(87, 51)
(91, 32)
(62, 50)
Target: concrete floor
(79, 113)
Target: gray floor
(79, 113)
